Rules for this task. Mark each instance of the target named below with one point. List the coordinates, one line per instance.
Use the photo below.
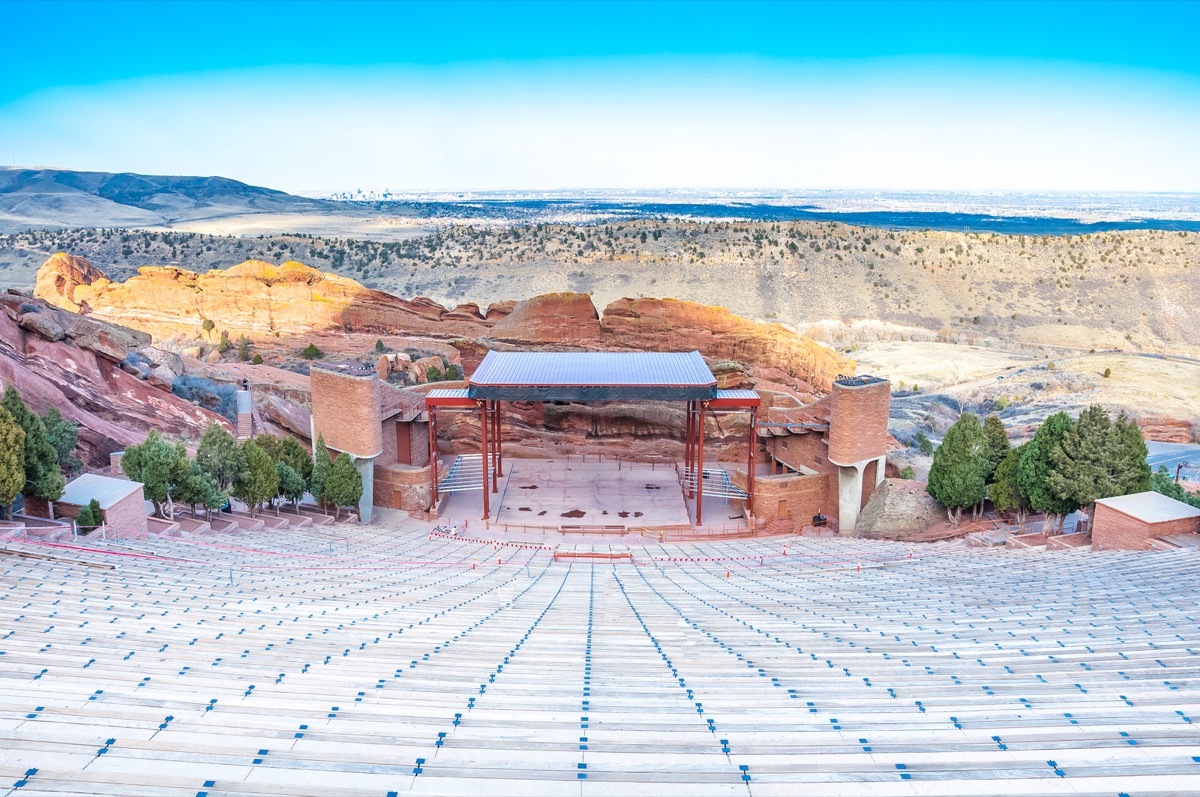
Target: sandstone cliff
(73, 363)
(293, 301)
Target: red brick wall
(1116, 531)
(389, 455)
(402, 487)
(804, 495)
(114, 465)
(346, 411)
(858, 422)
(128, 514)
(799, 451)
(420, 444)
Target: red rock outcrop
(254, 298)
(79, 373)
(568, 318)
(1169, 430)
(673, 325)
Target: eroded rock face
(898, 506)
(1169, 430)
(551, 318)
(114, 409)
(673, 325)
(253, 298)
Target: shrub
(311, 352)
(379, 347)
(221, 399)
(90, 516)
(453, 372)
(256, 360)
(207, 325)
(224, 345)
(28, 307)
(908, 473)
(1107, 373)
(433, 374)
(244, 348)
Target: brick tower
(345, 410)
(858, 441)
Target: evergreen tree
(91, 516)
(1132, 473)
(12, 460)
(159, 466)
(294, 455)
(320, 470)
(1097, 458)
(1161, 482)
(291, 483)
(997, 443)
(957, 478)
(64, 436)
(270, 444)
(43, 479)
(198, 487)
(344, 486)
(220, 455)
(1005, 490)
(258, 483)
(1033, 470)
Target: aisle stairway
(364, 661)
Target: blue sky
(416, 96)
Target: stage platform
(591, 493)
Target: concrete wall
(858, 422)
(1114, 530)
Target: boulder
(213, 356)
(383, 366)
(420, 369)
(195, 352)
(43, 324)
(163, 359)
(162, 378)
(61, 275)
(898, 506)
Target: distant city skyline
(305, 97)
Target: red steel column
(499, 443)
(750, 463)
(700, 464)
(433, 457)
(483, 459)
(690, 458)
(495, 432)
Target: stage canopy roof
(592, 376)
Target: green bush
(256, 360)
(207, 325)
(1107, 373)
(311, 352)
(90, 516)
(908, 473)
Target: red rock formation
(673, 325)
(551, 318)
(254, 298)
(1169, 430)
(78, 374)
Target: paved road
(1170, 455)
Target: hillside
(62, 198)
(845, 285)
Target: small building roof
(592, 376)
(107, 490)
(1150, 507)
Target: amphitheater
(386, 660)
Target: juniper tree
(90, 516)
(258, 483)
(1034, 468)
(159, 466)
(344, 486)
(997, 443)
(957, 478)
(1005, 490)
(220, 455)
(12, 460)
(1097, 458)
(291, 483)
(43, 479)
(64, 437)
(294, 455)
(320, 470)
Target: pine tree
(259, 482)
(997, 443)
(1132, 474)
(291, 483)
(197, 486)
(957, 478)
(1033, 470)
(295, 455)
(270, 444)
(43, 479)
(159, 466)
(220, 455)
(91, 516)
(64, 436)
(1098, 458)
(1005, 490)
(344, 486)
(12, 460)
(320, 470)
